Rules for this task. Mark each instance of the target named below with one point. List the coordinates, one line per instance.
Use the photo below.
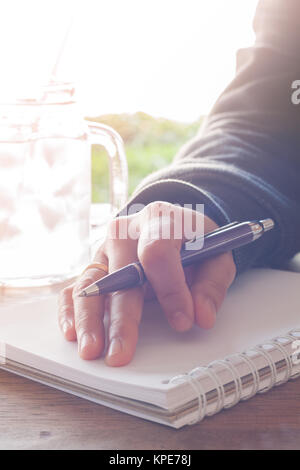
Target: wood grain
(33, 416)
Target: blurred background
(150, 69)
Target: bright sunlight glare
(168, 58)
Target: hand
(188, 296)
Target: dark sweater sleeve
(245, 162)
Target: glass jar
(45, 186)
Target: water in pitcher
(44, 209)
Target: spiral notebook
(175, 378)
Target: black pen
(214, 243)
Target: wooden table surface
(33, 416)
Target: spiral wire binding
(218, 384)
(237, 381)
(197, 387)
(271, 365)
(197, 373)
(255, 375)
(286, 356)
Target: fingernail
(86, 339)
(115, 347)
(180, 320)
(210, 306)
(210, 313)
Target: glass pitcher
(45, 186)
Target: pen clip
(219, 229)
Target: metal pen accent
(219, 241)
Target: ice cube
(8, 230)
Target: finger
(66, 313)
(125, 316)
(89, 312)
(160, 258)
(125, 307)
(162, 265)
(212, 279)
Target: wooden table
(33, 416)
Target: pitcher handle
(101, 134)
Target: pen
(219, 241)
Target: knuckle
(113, 225)
(152, 251)
(216, 289)
(99, 255)
(161, 209)
(81, 284)
(65, 310)
(157, 206)
(158, 210)
(64, 295)
(65, 291)
(117, 228)
(229, 268)
(168, 296)
(81, 321)
(162, 220)
(117, 327)
(120, 327)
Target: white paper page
(262, 304)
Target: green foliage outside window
(150, 144)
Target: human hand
(187, 296)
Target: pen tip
(82, 294)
